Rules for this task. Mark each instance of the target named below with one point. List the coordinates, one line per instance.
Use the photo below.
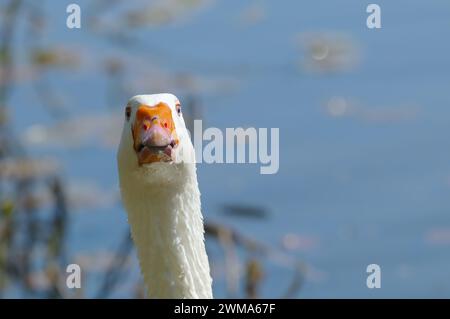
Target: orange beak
(154, 134)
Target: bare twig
(260, 249)
(114, 272)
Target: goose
(160, 193)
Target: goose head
(154, 137)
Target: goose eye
(128, 113)
(178, 106)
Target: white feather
(163, 205)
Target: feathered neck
(167, 229)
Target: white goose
(158, 183)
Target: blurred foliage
(53, 58)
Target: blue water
(366, 191)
